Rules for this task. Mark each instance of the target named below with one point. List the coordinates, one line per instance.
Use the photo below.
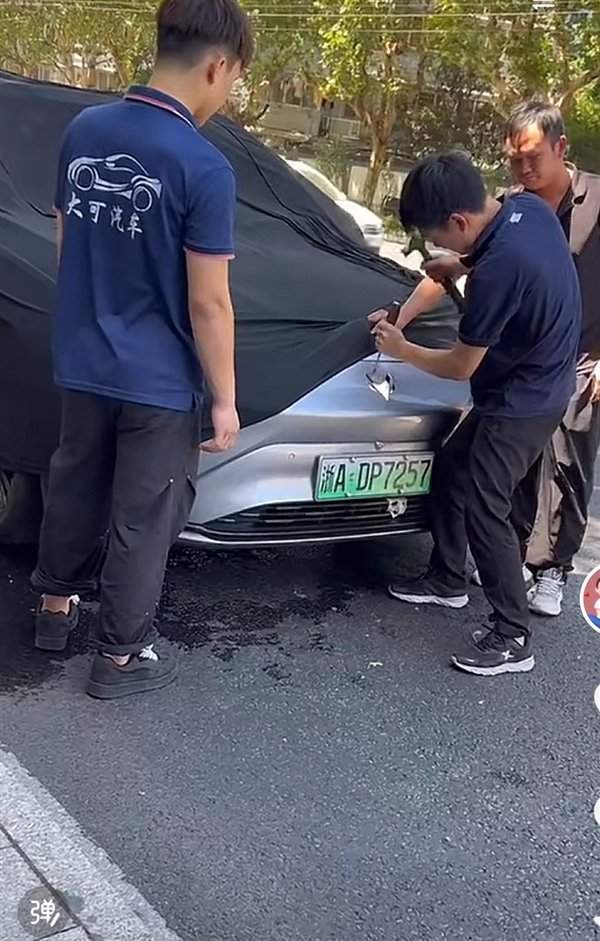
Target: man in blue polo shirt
(518, 344)
(145, 209)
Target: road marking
(99, 898)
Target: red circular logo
(590, 599)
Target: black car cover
(303, 280)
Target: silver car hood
(346, 408)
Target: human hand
(226, 425)
(393, 314)
(377, 316)
(596, 384)
(447, 267)
(389, 339)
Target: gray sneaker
(145, 671)
(545, 598)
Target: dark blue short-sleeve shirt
(524, 303)
(138, 186)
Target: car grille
(305, 521)
(372, 229)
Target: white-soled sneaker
(492, 654)
(427, 589)
(545, 598)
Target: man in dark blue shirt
(518, 344)
(145, 209)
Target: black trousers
(122, 485)
(554, 504)
(475, 478)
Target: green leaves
(429, 73)
(520, 48)
(75, 36)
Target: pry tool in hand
(417, 244)
(379, 380)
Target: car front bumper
(262, 492)
(266, 498)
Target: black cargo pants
(475, 477)
(121, 488)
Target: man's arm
(431, 289)
(208, 241)
(212, 318)
(424, 298)
(428, 292)
(459, 363)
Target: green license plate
(382, 475)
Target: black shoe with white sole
(143, 673)
(492, 654)
(52, 630)
(427, 589)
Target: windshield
(320, 181)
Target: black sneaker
(427, 589)
(145, 671)
(52, 630)
(492, 654)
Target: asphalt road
(320, 773)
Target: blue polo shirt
(138, 187)
(524, 303)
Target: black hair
(546, 117)
(439, 186)
(188, 28)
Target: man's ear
(460, 221)
(211, 72)
(215, 68)
(562, 147)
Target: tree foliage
(521, 48)
(421, 74)
(280, 45)
(367, 51)
(440, 73)
(75, 36)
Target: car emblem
(397, 508)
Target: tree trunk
(376, 165)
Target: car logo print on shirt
(516, 218)
(120, 176)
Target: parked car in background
(368, 222)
